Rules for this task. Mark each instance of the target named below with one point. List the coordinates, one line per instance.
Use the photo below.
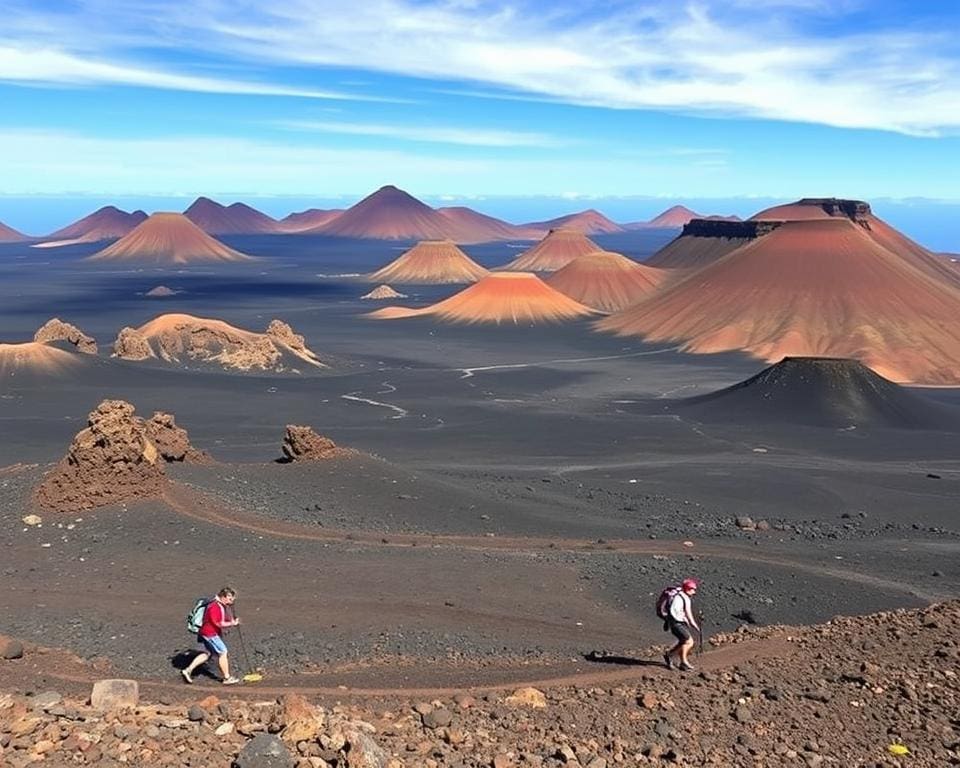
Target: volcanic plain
(514, 497)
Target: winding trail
(469, 372)
(198, 506)
(399, 413)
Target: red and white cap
(689, 585)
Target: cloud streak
(431, 134)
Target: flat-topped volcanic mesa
(107, 223)
(117, 457)
(55, 330)
(179, 338)
(430, 262)
(810, 288)
(235, 219)
(168, 238)
(555, 251)
(34, 359)
(704, 241)
(500, 298)
(383, 292)
(589, 222)
(606, 281)
(860, 213)
(823, 392)
(10, 235)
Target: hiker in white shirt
(679, 621)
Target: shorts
(680, 630)
(213, 645)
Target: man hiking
(677, 613)
(216, 618)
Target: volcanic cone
(555, 251)
(820, 287)
(168, 238)
(383, 292)
(505, 297)
(605, 281)
(430, 262)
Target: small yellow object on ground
(898, 749)
(253, 677)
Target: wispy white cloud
(725, 58)
(430, 134)
(49, 66)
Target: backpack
(663, 602)
(195, 617)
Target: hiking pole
(700, 623)
(252, 676)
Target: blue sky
(469, 99)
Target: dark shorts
(680, 630)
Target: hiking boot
(686, 667)
(186, 677)
(231, 680)
(668, 660)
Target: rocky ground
(879, 690)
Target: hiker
(216, 617)
(678, 618)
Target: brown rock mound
(117, 457)
(172, 441)
(555, 251)
(303, 444)
(112, 460)
(430, 262)
(57, 330)
(180, 338)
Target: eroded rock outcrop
(57, 330)
(117, 457)
(303, 444)
(182, 338)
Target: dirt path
(201, 507)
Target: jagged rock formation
(383, 292)
(180, 338)
(57, 330)
(117, 457)
(430, 262)
(303, 444)
(171, 441)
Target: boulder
(364, 752)
(57, 330)
(108, 695)
(172, 441)
(526, 697)
(303, 444)
(10, 649)
(745, 523)
(264, 751)
(301, 720)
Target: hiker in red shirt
(216, 617)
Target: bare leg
(224, 664)
(200, 658)
(685, 648)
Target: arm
(222, 621)
(688, 610)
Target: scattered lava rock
(303, 444)
(115, 458)
(57, 330)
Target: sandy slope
(606, 281)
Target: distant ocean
(934, 224)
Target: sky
(475, 100)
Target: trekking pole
(252, 675)
(700, 622)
